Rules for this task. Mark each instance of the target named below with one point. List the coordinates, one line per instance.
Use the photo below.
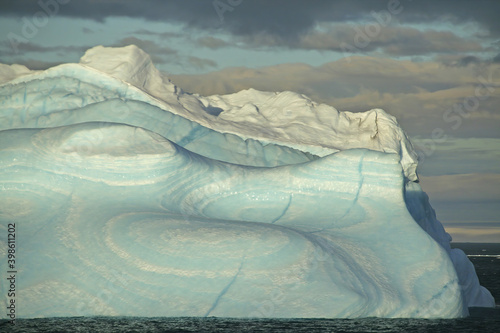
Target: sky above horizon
(435, 65)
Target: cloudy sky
(433, 64)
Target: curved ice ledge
(194, 236)
(129, 198)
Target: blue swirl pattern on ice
(137, 225)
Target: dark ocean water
(486, 259)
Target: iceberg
(130, 197)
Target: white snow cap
(285, 118)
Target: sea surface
(485, 256)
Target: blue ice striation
(131, 197)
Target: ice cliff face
(132, 197)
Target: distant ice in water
(133, 198)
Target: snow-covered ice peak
(284, 118)
(130, 64)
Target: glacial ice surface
(133, 198)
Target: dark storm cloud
(6, 49)
(167, 34)
(391, 40)
(285, 18)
